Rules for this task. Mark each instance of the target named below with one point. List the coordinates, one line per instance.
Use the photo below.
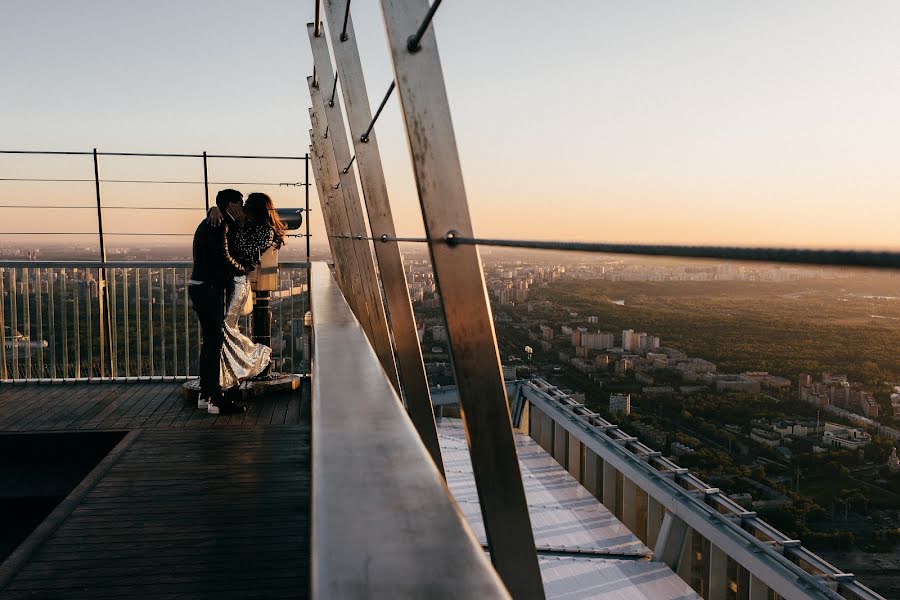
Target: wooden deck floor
(197, 506)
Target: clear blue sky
(705, 122)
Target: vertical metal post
(13, 321)
(90, 328)
(103, 292)
(51, 317)
(163, 355)
(413, 379)
(4, 373)
(26, 321)
(150, 320)
(174, 323)
(64, 319)
(206, 180)
(126, 315)
(137, 323)
(467, 312)
(39, 307)
(76, 324)
(187, 309)
(330, 114)
(112, 299)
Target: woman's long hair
(260, 209)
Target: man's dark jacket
(213, 263)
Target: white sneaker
(202, 403)
(212, 408)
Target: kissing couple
(228, 245)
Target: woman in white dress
(242, 358)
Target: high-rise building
(628, 340)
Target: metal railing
(378, 499)
(57, 326)
(640, 486)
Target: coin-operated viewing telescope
(264, 281)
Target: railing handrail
(149, 154)
(726, 530)
(121, 264)
(371, 473)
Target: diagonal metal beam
(459, 275)
(329, 115)
(413, 380)
(333, 212)
(349, 215)
(340, 264)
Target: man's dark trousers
(209, 303)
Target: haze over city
(652, 122)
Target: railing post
(413, 379)
(205, 181)
(329, 114)
(4, 374)
(103, 291)
(13, 322)
(467, 312)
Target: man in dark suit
(213, 273)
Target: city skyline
(764, 125)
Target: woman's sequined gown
(243, 358)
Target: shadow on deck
(186, 505)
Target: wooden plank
(182, 513)
(80, 396)
(54, 400)
(67, 420)
(38, 402)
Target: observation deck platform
(194, 505)
(185, 505)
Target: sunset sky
(764, 123)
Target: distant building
(623, 366)
(846, 438)
(597, 341)
(546, 332)
(769, 381)
(592, 319)
(620, 404)
(737, 383)
(767, 438)
(628, 340)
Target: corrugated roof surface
(565, 518)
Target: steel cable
(834, 258)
